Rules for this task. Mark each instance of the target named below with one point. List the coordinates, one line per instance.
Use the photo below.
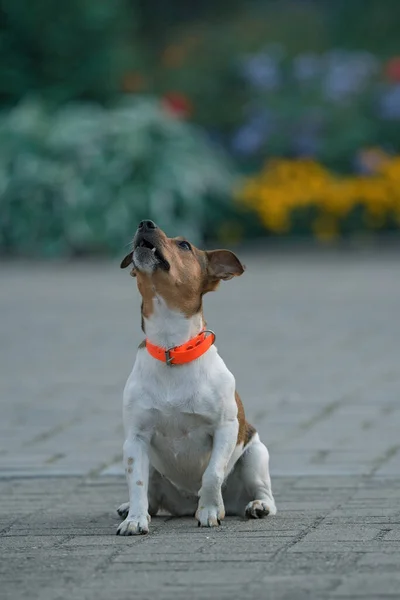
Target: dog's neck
(169, 328)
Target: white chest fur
(178, 408)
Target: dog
(188, 448)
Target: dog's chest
(180, 428)
(184, 394)
(181, 408)
(181, 445)
(181, 434)
(184, 415)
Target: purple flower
(262, 71)
(390, 103)
(249, 138)
(347, 73)
(306, 144)
(307, 67)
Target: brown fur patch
(130, 460)
(180, 287)
(224, 264)
(147, 291)
(246, 431)
(139, 482)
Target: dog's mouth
(144, 247)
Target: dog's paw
(123, 510)
(134, 526)
(259, 509)
(210, 516)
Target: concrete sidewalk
(314, 343)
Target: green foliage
(76, 49)
(288, 78)
(79, 179)
(355, 24)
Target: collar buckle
(168, 357)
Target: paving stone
(317, 368)
(369, 586)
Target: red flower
(177, 104)
(393, 69)
(133, 82)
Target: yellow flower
(285, 185)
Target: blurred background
(225, 120)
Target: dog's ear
(224, 264)
(126, 261)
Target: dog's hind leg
(123, 510)
(248, 488)
(257, 481)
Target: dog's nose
(147, 225)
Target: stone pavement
(314, 342)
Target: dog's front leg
(136, 462)
(211, 506)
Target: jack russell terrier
(189, 449)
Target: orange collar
(180, 355)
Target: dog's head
(176, 270)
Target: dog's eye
(184, 245)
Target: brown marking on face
(180, 286)
(191, 274)
(129, 469)
(130, 460)
(246, 431)
(139, 482)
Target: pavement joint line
(317, 522)
(380, 536)
(300, 536)
(301, 428)
(104, 465)
(54, 458)
(385, 457)
(46, 435)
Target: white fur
(181, 432)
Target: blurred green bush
(79, 179)
(315, 79)
(78, 49)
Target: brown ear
(223, 264)
(126, 261)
